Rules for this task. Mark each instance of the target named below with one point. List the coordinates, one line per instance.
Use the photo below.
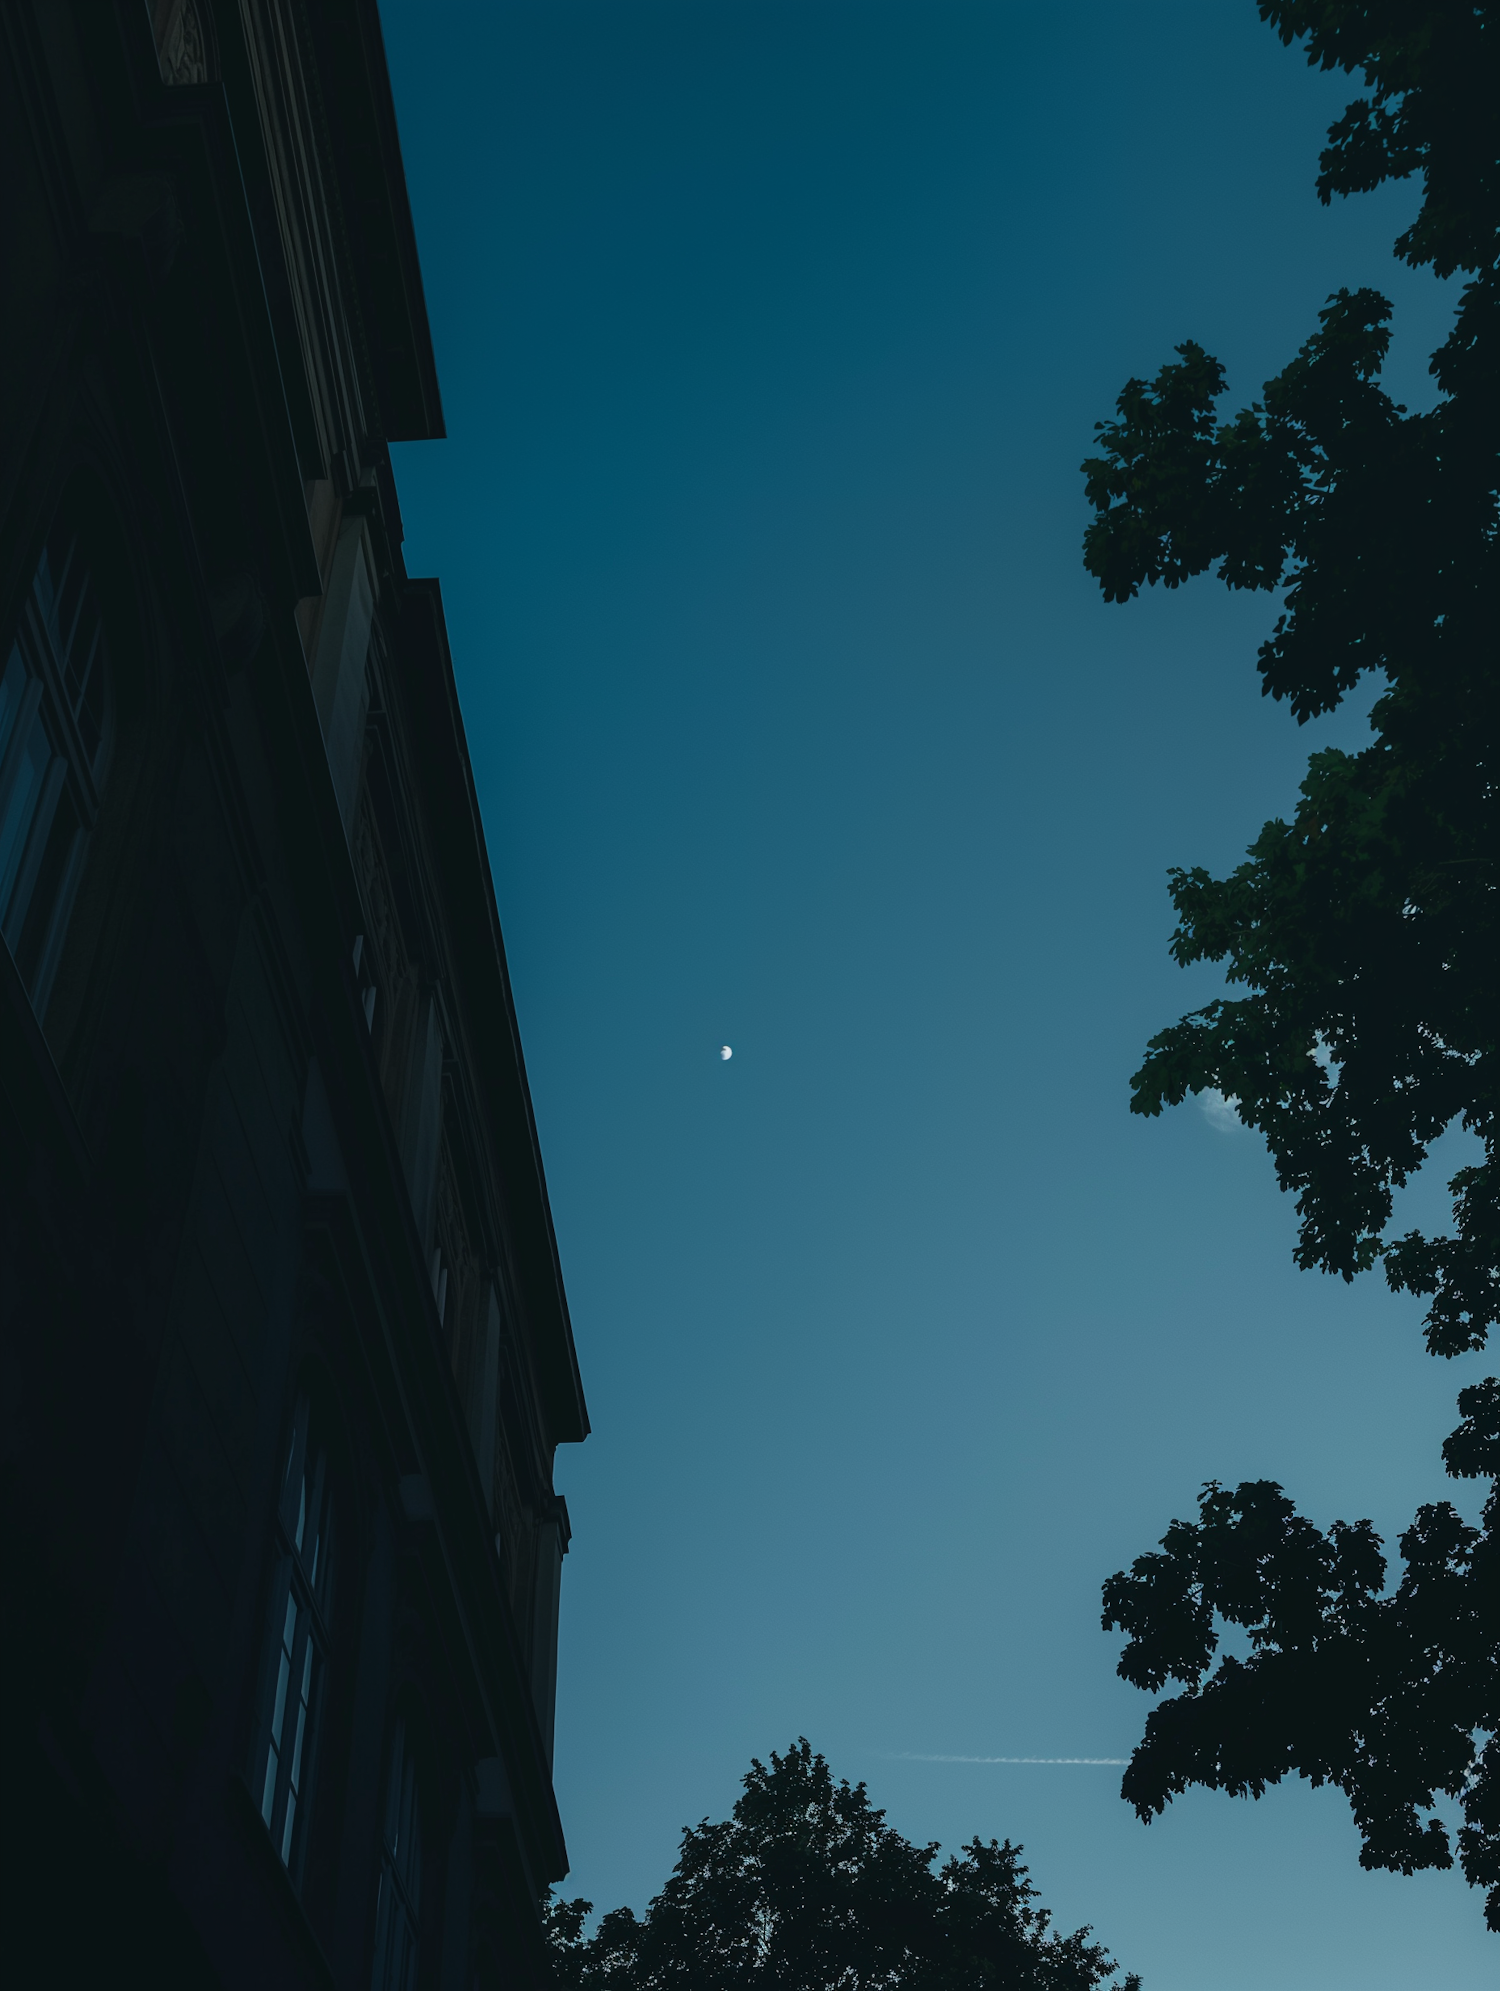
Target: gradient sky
(771, 337)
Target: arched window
(55, 727)
(399, 1900)
(301, 1596)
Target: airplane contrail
(911, 1756)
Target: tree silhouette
(806, 1888)
(1364, 932)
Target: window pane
(400, 1875)
(65, 571)
(278, 1711)
(26, 781)
(289, 1729)
(409, 1851)
(51, 574)
(85, 678)
(12, 689)
(288, 1643)
(286, 1830)
(291, 1485)
(304, 1696)
(268, 1792)
(53, 698)
(384, 1932)
(47, 894)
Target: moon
(725, 1053)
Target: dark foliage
(806, 1888)
(1381, 1695)
(1364, 933)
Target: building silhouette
(284, 1347)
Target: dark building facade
(284, 1348)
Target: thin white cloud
(910, 1756)
(1222, 1113)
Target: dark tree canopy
(1378, 1695)
(1364, 936)
(806, 1888)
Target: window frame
(398, 1897)
(57, 722)
(293, 1687)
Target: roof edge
(450, 805)
(381, 240)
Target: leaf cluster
(806, 1888)
(1366, 930)
(1360, 941)
(1394, 1698)
(1431, 73)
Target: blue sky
(771, 337)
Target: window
(399, 1899)
(364, 975)
(298, 1655)
(54, 748)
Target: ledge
(264, 1854)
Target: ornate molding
(180, 49)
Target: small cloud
(1221, 1112)
(725, 1053)
(1115, 1762)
